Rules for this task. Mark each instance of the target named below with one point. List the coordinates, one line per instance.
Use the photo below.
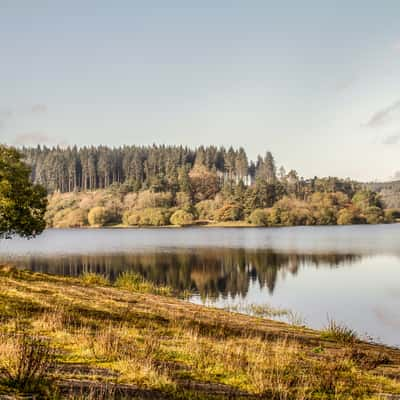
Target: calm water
(350, 274)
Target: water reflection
(210, 272)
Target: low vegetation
(114, 207)
(89, 338)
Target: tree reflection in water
(210, 272)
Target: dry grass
(116, 343)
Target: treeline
(162, 185)
(161, 168)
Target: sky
(315, 82)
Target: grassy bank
(85, 338)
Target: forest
(175, 185)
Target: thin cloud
(35, 138)
(391, 139)
(381, 117)
(39, 108)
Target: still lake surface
(347, 273)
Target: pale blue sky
(315, 82)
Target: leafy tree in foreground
(22, 204)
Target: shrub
(72, 219)
(350, 215)
(373, 215)
(259, 217)
(131, 218)
(339, 332)
(365, 198)
(391, 214)
(26, 361)
(91, 278)
(114, 208)
(183, 201)
(229, 212)
(206, 209)
(155, 216)
(97, 216)
(136, 283)
(130, 201)
(150, 199)
(181, 217)
(288, 211)
(147, 216)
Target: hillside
(86, 338)
(389, 193)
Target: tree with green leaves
(22, 204)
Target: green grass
(136, 283)
(339, 332)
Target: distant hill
(389, 192)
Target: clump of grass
(339, 332)
(26, 362)
(267, 311)
(91, 278)
(136, 283)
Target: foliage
(392, 215)
(259, 217)
(183, 201)
(91, 278)
(76, 218)
(373, 215)
(137, 283)
(339, 332)
(204, 183)
(206, 209)
(228, 212)
(25, 361)
(150, 199)
(349, 215)
(97, 216)
(133, 184)
(22, 204)
(289, 211)
(181, 217)
(147, 216)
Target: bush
(135, 282)
(148, 216)
(150, 199)
(348, 216)
(339, 332)
(259, 217)
(181, 217)
(131, 218)
(229, 212)
(70, 219)
(373, 215)
(391, 215)
(26, 361)
(155, 216)
(183, 201)
(206, 209)
(288, 212)
(91, 278)
(97, 216)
